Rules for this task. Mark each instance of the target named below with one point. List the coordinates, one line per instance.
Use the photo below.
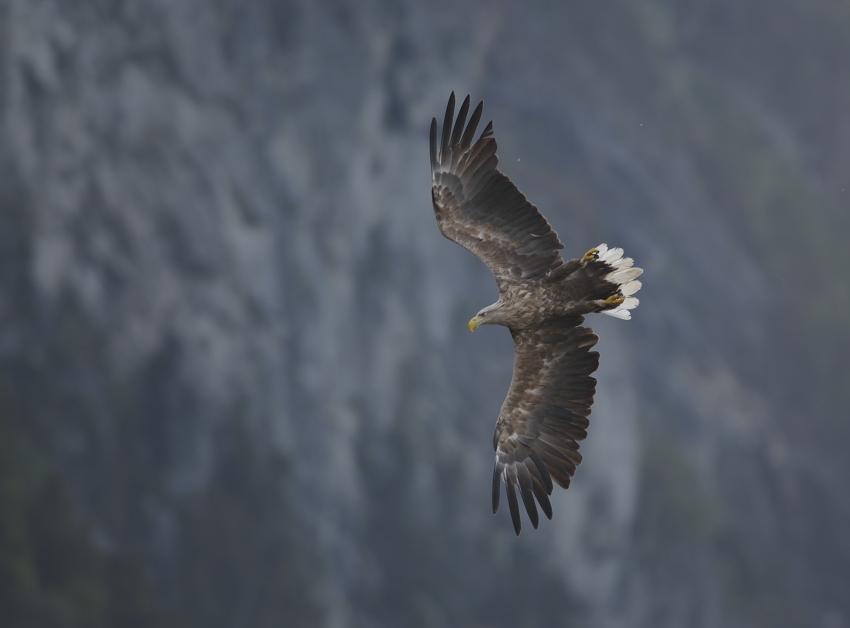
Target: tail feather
(624, 274)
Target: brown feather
(497, 486)
(471, 127)
(540, 491)
(513, 506)
(526, 491)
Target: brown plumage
(542, 300)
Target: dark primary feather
(545, 413)
(480, 208)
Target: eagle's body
(542, 300)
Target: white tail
(625, 276)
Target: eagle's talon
(591, 255)
(614, 299)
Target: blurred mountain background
(236, 384)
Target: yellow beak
(475, 322)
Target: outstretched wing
(545, 413)
(479, 208)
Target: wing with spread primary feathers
(479, 208)
(545, 414)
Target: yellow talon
(614, 299)
(591, 255)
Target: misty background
(236, 383)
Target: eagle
(542, 301)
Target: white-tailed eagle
(542, 300)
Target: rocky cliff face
(233, 335)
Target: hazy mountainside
(236, 385)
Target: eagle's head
(490, 315)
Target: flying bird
(542, 301)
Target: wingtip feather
(447, 128)
(497, 486)
(466, 140)
(544, 472)
(526, 491)
(513, 505)
(433, 145)
(459, 122)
